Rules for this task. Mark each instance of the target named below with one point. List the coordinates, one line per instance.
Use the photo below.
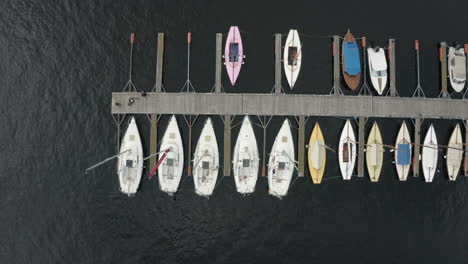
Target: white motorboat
(457, 68)
(377, 68)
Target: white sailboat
(454, 153)
(245, 162)
(281, 162)
(130, 163)
(403, 152)
(347, 151)
(206, 161)
(377, 68)
(292, 57)
(171, 168)
(430, 153)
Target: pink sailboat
(233, 54)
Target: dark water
(60, 61)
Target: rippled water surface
(59, 63)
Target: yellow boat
(374, 153)
(316, 154)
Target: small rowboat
(403, 152)
(171, 168)
(457, 68)
(430, 153)
(233, 54)
(245, 160)
(377, 68)
(131, 162)
(351, 62)
(206, 161)
(292, 57)
(316, 154)
(347, 151)
(454, 153)
(281, 162)
(374, 153)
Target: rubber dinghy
(281, 162)
(377, 68)
(454, 153)
(170, 171)
(206, 161)
(351, 62)
(317, 154)
(233, 54)
(457, 68)
(292, 57)
(430, 153)
(131, 162)
(245, 160)
(403, 152)
(347, 151)
(374, 153)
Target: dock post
(278, 87)
(227, 145)
(336, 65)
(219, 42)
(301, 147)
(157, 89)
(417, 146)
(391, 58)
(362, 124)
(443, 70)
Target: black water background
(60, 61)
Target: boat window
(284, 139)
(292, 56)
(207, 138)
(129, 164)
(234, 52)
(245, 163)
(132, 137)
(281, 165)
(345, 152)
(171, 135)
(205, 165)
(170, 162)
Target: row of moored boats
(281, 163)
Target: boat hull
(377, 69)
(130, 164)
(454, 153)
(347, 151)
(351, 65)
(206, 161)
(171, 168)
(281, 162)
(292, 57)
(430, 154)
(316, 155)
(457, 68)
(245, 162)
(374, 153)
(403, 152)
(233, 54)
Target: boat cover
(459, 67)
(403, 154)
(351, 58)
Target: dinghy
(347, 151)
(233, 54)
(130, 162)
(245, 159)
(351, 62)
(316, 154)
(454, 153)
(292, 57)
(171, 168)
(430, 152)
(457, 68)
(281, 162)
(206, 161)
(374, 153)
(377, 68)
(403, 152)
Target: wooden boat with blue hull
(351, 62)
(403, 152)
